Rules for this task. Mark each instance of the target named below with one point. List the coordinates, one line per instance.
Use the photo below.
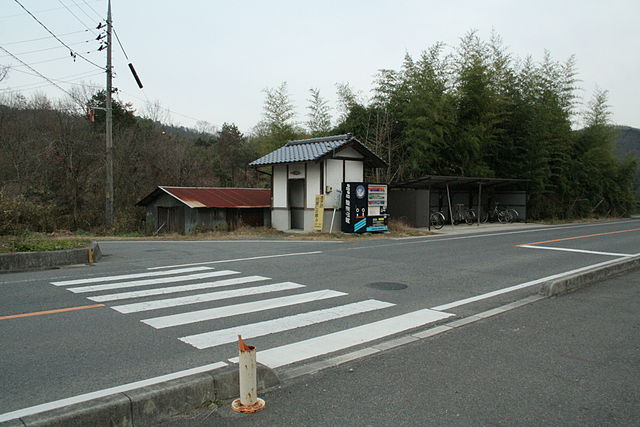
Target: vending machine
(364, 207)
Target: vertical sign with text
(318, 213)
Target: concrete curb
(150, 405)
(28, 261)
(575, 281)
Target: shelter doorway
(296, 196)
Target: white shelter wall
(279, 190)
(313, 183)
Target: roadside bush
(29, 245)
(19, 215)
(129, 219)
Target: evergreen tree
(319, 123)
(277, 126)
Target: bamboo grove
(478, 111)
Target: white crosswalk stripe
(147, 282)
(176, 289)
(234, 310)
(303, 350)
(212, 296)
(224, 336)
(129, 276)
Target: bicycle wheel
(505, 217)
(509, 217)
(470, 216)
(437, 220)
(514, 214)
(485, 216)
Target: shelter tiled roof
(214, 197)
(305, 150)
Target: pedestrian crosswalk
(164, 290)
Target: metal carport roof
(435, 181)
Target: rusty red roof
(214, 197)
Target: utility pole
(109, 130)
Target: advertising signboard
(364, 207)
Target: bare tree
(154, 111)
(205, 128)
(4, 72)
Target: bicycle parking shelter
(413, 200)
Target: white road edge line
(237, 259)
(107, 392)
(500, 233)
(520, 286)
(575, 250)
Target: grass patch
(30, 244)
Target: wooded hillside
(473, 111)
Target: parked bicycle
(438, 219)
(503, 216)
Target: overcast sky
(212, 60)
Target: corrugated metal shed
(305, 150)
(214, 197)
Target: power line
(121, 47)
(59, 80)
(36, 71)
(47, 48)
(94, 11)
(70, 76)
(45, 61)
(57, 38)
(76, 16)
(37, 11)
(34, 86)
(164, 108)
(85, 13)
(44, 38)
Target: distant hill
(625, 141)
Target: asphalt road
(51, 356)
(573, 360)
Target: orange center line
(60, 310)
(580, 237)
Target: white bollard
(249, 400)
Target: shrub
(37, 245)
(19, 215)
